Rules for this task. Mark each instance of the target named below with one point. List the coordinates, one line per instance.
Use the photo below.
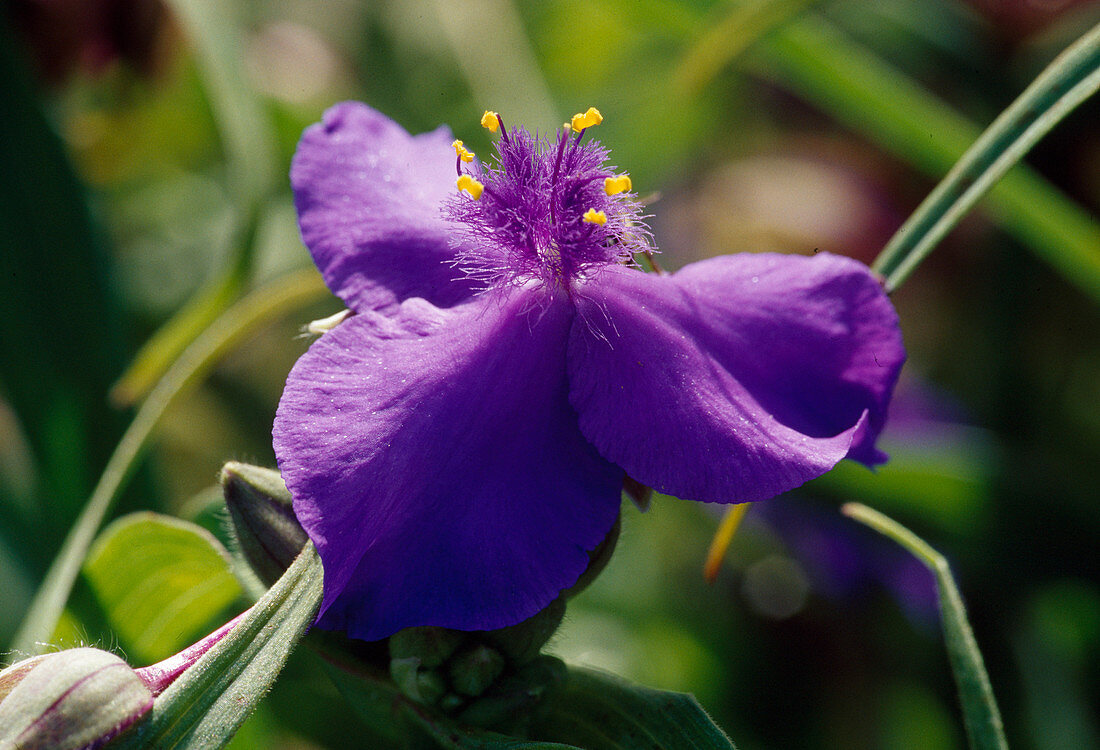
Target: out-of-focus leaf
(210, 701)
(248, 139)
(160, 581)
(984, 727)
(60, 339)
(820, 63)
(233, 326)
(243, 125)
(743, 25)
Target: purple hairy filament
(543, 210)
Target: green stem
(1065, 83)
(980, 713)
(236, 324)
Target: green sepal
(545, 705)
(510, 701)
(264, 524)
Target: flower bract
(458, 445)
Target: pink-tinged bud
(79, 698)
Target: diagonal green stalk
(1070, 79)
(820, 63)
(206, 704)
(236, 324)
(980, 713)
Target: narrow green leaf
(599, 711)
(210, 701)
(1069, 80)
(824, 66)
(983, 719)
(160, 582)
(236, 324)
(157, 354)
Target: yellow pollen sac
(463, 153)
(592, 216)
(471, 186)
(489, 121)
(619, 184)
(581, 121)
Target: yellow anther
(592, 216)
(620, 184)
(489, 121)
(463, 153)
(471, 186)
(581, 121)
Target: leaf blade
(160, 581)
(984, 726)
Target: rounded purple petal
(369, 200)
(736, 378)
(436, 463)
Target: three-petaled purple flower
(457, 446)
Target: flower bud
(475, 668)
(430, 646)
(69, 699)
(260, 506)
(512, 698)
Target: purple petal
(736, 378)
(369, 197)
(435, 461)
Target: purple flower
(456, 447)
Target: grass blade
(1065, 83)
(980, 713)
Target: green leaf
(820, 63)
(1069, 80)
(599, 711)
(160, 581)
(210, 701)
(983, 719)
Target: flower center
(543, 209)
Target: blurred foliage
(124, 198)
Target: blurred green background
(144, 147)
